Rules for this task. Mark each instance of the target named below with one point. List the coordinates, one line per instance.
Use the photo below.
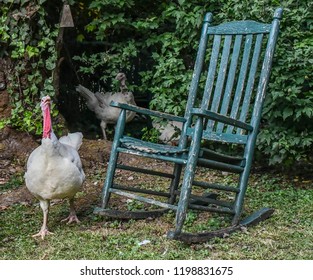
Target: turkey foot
(43, 232)
(71, 218)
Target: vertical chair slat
(251, 78)
(211, 72)
(221, 74)
(219, 84)
(231, 79)
(241, 79)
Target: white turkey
(99, 103)
(54, 169)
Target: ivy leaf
(50, 65)
(287, 113)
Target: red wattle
(46, 123)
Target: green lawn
(288, 234)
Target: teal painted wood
(188, 177)
(120, 126)
(218, 117)
(215, 187)
(241, 80)
(239, 57)
(221, 137)
(218, 165)
(208, 153)
(251, 78)
(144, 171)
(225, 137)
(145, 111)
(240, 27)
(221, 210)
(139, 190)
(144, 199)
(219, 84)
(172, 158)
(211, 73)
(221, 75)
(199, 63)
(221, 203)
(231, 80)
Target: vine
(28, 41)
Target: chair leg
(113, 159)
(184, 199)
(109, 178)
(187, 181)
(243, 182)
(175, 183)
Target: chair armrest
(145, 111)
(221, 118)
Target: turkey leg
(72, 217)
(44, 204)
(103, 126)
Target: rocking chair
(224, 106)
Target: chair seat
(151, 148)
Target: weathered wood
(215, 187)
(222, 137)
(240, 27)
(230, 80)
(140, 190)
(144, 171)
(219, 165)
(145, 111)
(130, 215)
(221, 118)
(190, 238)
(144, 199)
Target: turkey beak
(45, 101)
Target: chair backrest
(239, 56)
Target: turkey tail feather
(72, 139)
(92, 102)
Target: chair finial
(208, 17)
(278, 13)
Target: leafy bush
(28, 41)
(155, 43)
(159, 41)
(287, 135)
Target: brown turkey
(54, 169)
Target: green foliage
(159, 42)
(28, 41)
(287, 135)
(152, 39)
(151, 135)
(155, 43)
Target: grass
(288, 234)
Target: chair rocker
(224, 105)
